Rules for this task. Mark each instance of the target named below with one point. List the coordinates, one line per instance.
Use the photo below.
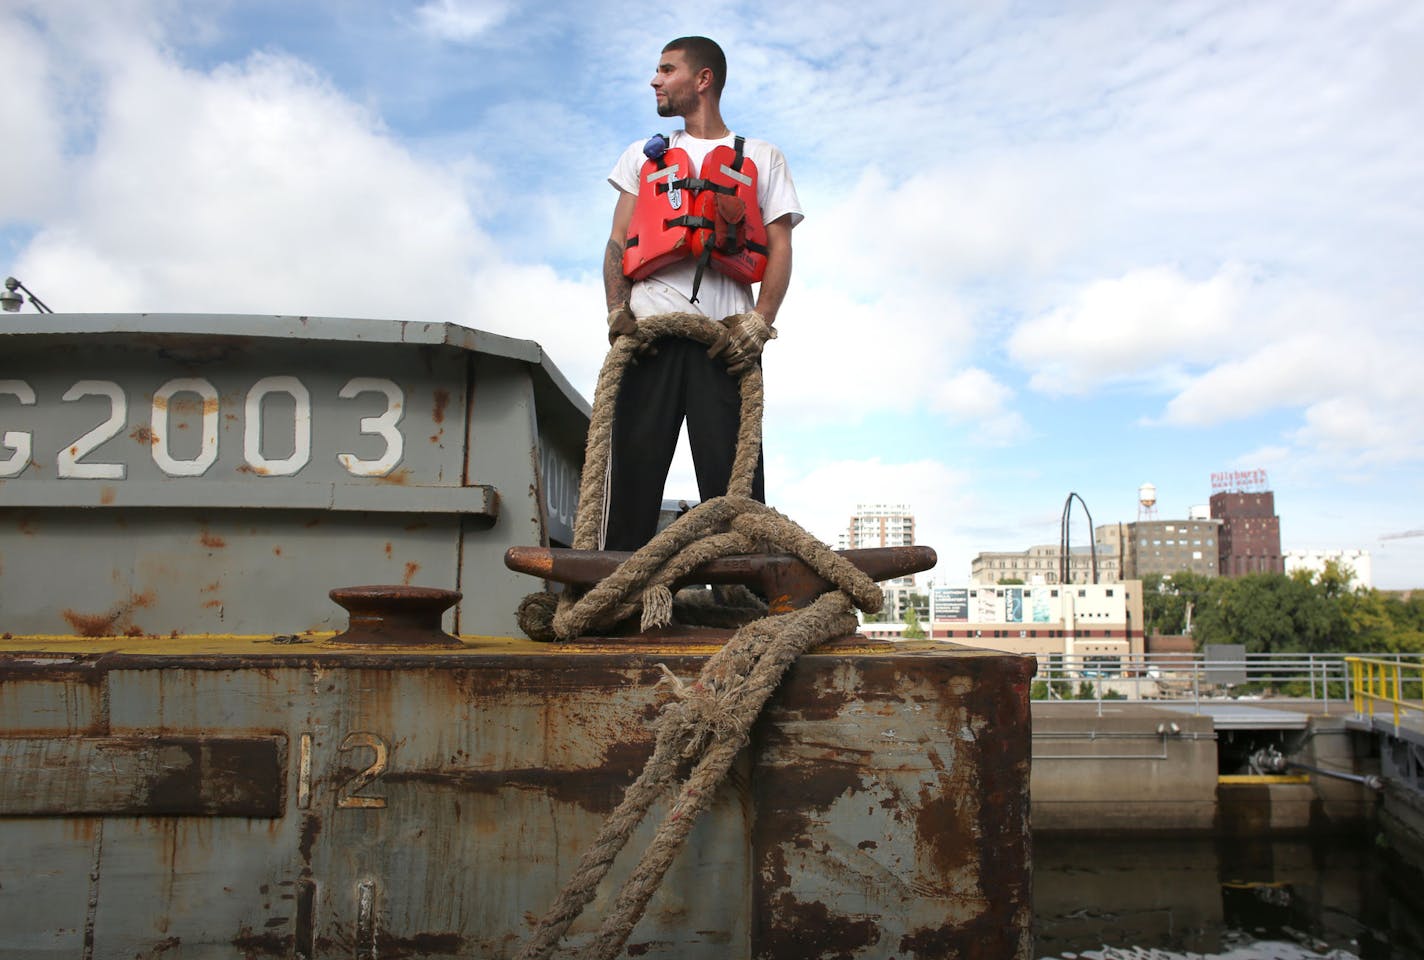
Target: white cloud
(879, 318)
(975, 396)
(1287, 373)
(1360, 427)
(260, 188)
(1354, 383)
(31, 163)
(460, 21)
(303, 199)
(936, 227)
(1130, 327)
(839, 359)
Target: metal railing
(1386, 682)
(1192, 677)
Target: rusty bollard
(395, 616)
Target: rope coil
(706, 722)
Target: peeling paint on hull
(433, 803)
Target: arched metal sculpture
(1064, 555)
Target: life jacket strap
(697, 185)
(691, 220)
(702, 263)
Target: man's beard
(670, 107)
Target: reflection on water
(1235, 899)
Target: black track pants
(679, 381)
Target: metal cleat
(785, 581)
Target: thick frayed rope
(707, 721)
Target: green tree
(1254, 610)
(1163, 608)
(1274, 613)
(913, 630)
(1377, 622)
(1167, 600)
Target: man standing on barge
(650, 271)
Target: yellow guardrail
(1382, 682)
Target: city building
(1098, 622)
(1042, 564)
(1164, 546)
(883, 525)
(1250, 538)
(879, 525)
(1356, 563)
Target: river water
(1234, 899)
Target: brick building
(1250, 538)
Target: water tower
(1146, 502)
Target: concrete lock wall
(1117, 772)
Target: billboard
(951, 604)
(1040, 605)
(1013, 605)
(988, 607)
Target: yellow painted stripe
(307, 644)
(1229, 778)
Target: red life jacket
(657, 235)
(714, 217)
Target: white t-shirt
(670, 289)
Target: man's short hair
(701, 53)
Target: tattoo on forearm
(616, 286)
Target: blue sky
(1048, 247)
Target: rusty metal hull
(257, 799)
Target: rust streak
(811, 930)
(442, 400)
(411, 568)
(92, 624)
